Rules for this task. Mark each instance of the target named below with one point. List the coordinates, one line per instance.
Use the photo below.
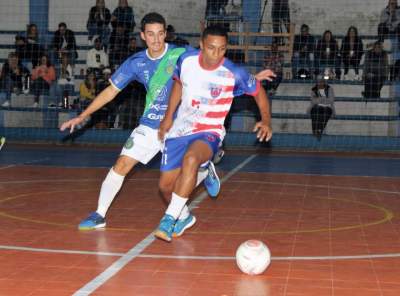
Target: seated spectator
(280, 14)
(303, 53)
(274, 61)
(351, 52)
(43, 76)
(28, 53)
(32, 34)
(14, 77)
(65, 79)
(124, 16)
(389, 24)
(215, 8)
(88, 90)
(322, 106)
(132, 47)
(97, 58)
(98, 22)
(327, 55)
(172, 38)
(376, 69)
(64, 42)
(118, 46)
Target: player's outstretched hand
(266, 74)
(165, 125)
(263, 130)
(70, 124)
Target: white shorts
(143, 144)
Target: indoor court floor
(330, 220)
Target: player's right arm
(107, 95)
(174, 100)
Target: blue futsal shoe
(166, 227)
(94, 221)
(211, 182)
(182, 225)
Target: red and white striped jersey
(207, 95)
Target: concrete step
(342, 108)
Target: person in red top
(42, 77)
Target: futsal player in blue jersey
(153, 68)
(206, 84)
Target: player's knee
(191, 162)
(123, 166)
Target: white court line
(179, 257)
(136, 250)
(24, 163)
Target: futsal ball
(253, 257)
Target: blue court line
(264, 163)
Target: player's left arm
(263, 127)
(174, 101)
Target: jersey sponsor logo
(215, 91)
(158, 107)
(252, 81)
(154, 116)
(129, 143)
(140, 64)
(195, 103)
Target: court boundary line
(188, 257)
(135, 251)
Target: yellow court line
(387, 216)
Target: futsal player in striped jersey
(204, 88)
(153, 68)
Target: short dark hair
(215, 31)
(152, 18)
(62, 25)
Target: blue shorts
(175, 149)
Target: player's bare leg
(185, 181)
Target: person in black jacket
(123, 15)
(351, 51)
(303, 53)
(98, 22)
(27, 52)
(13, 78)
(64, 42)
(327, 55)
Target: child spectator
(42, 77)
(88, 89)
(351, 52)
(321, 106)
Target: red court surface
(328, 236)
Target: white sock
(201, 175)
(176, 205)
(109, 189)
(184, 213)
